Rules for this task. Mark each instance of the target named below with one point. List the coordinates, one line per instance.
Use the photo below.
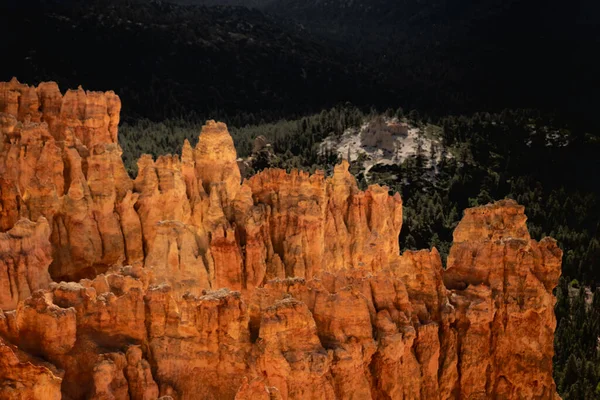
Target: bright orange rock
(22, 377)
(187, 283)
(215, 161)
(24, 260)
(501, 285)
(59, 159)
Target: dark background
(290, 57)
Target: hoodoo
(187, 282)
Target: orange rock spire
(187, 282)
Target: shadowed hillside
(166, 60)
(454, 56)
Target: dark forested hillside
(463, 56)
(458, 55)
(167, 60)
(441, 57)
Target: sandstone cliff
(188, 283)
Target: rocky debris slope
(188, 283)
(385, 141)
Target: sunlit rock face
(187, 282)
(501, 285)
(24, 260)
(59, 159)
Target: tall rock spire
(215, 159)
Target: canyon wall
(190, 284)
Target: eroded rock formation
(190, 284)
(24, 260)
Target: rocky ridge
(188, 283)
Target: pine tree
(400, 113)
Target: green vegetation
(295, 144)
(577, 362)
